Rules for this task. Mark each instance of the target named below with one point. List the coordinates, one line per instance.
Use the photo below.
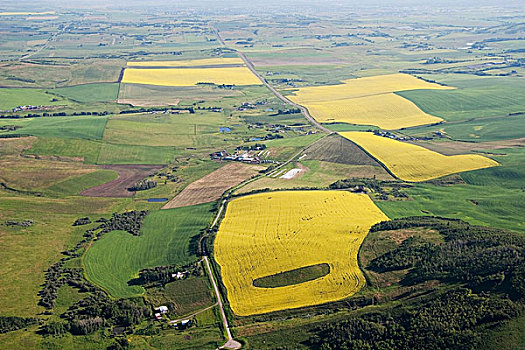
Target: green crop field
(491, 197)
(101, 92)
(134, 154)
(14, 97)
(90, 127)
(77, 184)
(486, 129)
(165, 240)
(474, 98)
(53, 146)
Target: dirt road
(280, 96)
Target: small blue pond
(156, 200)
(224, 129)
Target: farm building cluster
(255, 154)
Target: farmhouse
(161, 309)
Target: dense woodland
(483, 284)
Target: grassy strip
(296, 276)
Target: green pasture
(134, 154)
(490, 197)
(475, 97)
(100, 92)
(14, 97)
(165, 240)
(487, 129)
(54, 146)
(79, 127)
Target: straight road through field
(280, 96)
(230, 343)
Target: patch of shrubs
(130, 221)
(23, 223)
(143, 185)
(13, 323)
(362, 184)
(82, 221)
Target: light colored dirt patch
(459, 147)
(290, 174)
(213, 185)
(128, 175)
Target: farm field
(316, 174)
(415, 163)
(100, 92)
(154, 95)
(14, 97)
(475, 97)
(190, 76)
(489, 197)
(368, 101)
(189, 63)
(165, 240)
(387, 111)
(478, 130)
(269, 233)
(127, 176)
(90, 127)
(212, 186)
(361, 87)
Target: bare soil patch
(128, 175)
(213, 185)
(337, 149)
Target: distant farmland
(271, 233)
(368, 101)
(190, 76)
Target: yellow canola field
(387, 111)
(368, 101)
(188, 63)
(190, 76)
(379, 84)
(269, 233)
(415, 163)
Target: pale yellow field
(368, 101)
(415, 163)
(388, 111)
(190, 76)
(379, 84)
(268, 233)
(188, 63)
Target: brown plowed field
(128, 175)
(213, 185)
